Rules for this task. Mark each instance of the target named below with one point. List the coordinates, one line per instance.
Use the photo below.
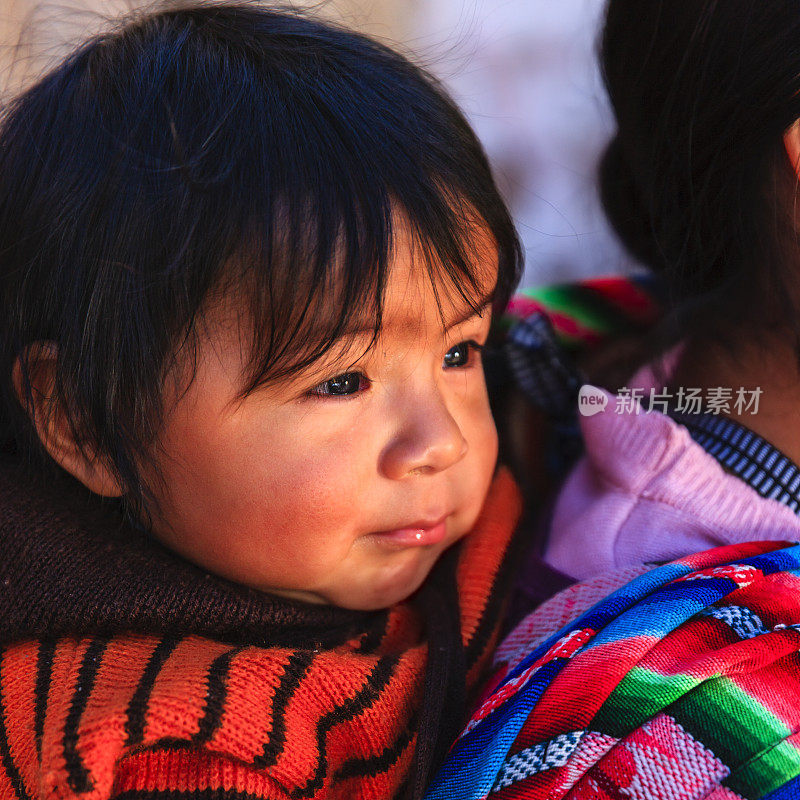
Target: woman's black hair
(697, 182)
(212, 146)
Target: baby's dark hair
(697, 182)
(207, 147)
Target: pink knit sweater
(646, 491)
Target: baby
(250, 261)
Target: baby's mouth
(415, 534)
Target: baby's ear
(50, 419)
(791, 141)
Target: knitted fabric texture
(680, 685)
(126, 671)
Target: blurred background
(523, 70)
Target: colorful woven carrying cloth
(682, 684)
(590, 311)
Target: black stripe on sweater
(9, 766)
(136, 712)
(403, 791)
(372, 639)
(216, 694)
(296, 669)
(77, 774)
(374, 765)
(376, 682)
(44, 674)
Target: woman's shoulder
(628, 483)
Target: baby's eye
(348, 383)
(459, 355)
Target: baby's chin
(389, 587)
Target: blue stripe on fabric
(606, 610)
(480, 754)
(785, 560)
(663, 611)
(789, 791)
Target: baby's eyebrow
(468, 315)
(364, 329)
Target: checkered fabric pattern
(753, 459)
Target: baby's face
(336, 488)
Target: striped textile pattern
(747, 455)
(543, 371)
(590, 311)
(109, 711)
(682, 684)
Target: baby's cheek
(482, 459)
(482, 436)
(311, 510)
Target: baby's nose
(427, 440)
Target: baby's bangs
(320, 270)
(448, 231)
(315, 268)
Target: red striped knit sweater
(127, 672)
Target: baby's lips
(416, 534)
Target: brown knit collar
(70, 565)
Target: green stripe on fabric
(728, 721)
(565, 300)
(613, 311)
(639, 696)
(768, 772)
